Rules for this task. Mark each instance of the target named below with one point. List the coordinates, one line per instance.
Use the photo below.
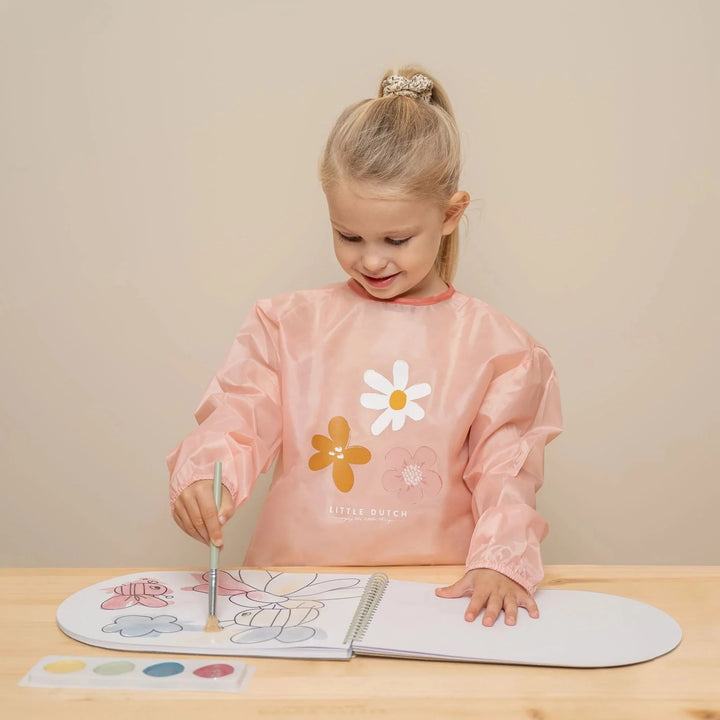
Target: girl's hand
(494, 592)
(195, 512)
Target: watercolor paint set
(138, 673)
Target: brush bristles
(212, 624)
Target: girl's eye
(355, 238)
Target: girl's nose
(373, 261)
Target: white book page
(575, 629)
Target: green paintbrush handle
(214, 551)
(217, 493)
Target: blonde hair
(408, 146)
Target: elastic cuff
(178, 487)
(508, 571)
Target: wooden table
(683, 684)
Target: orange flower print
(334, 450)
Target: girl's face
(389, 244)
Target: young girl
(409, 420)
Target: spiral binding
(367, 606)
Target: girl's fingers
(227, 506)
(195, 525)
(494, 606)
(195, 512)
(511, 608)
(182, 519)
(478, 601)
(494, 592)
(211, 523)
(198, 522)
(530, 605)
(456, 590)
(177, 520)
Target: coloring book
(333, 616)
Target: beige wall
(158, 175)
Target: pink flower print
(410, 476)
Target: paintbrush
(212, 621)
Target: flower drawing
(410, 476)
(279, 606)
(395, 399)
(333, 450)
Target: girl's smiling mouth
(380, 282)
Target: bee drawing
(144, 591)
(285, 622)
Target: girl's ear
(455, 209)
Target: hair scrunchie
(418, 87)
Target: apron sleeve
(519, 415)
(240, 415)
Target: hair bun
(418, 87)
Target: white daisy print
(395, 398)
